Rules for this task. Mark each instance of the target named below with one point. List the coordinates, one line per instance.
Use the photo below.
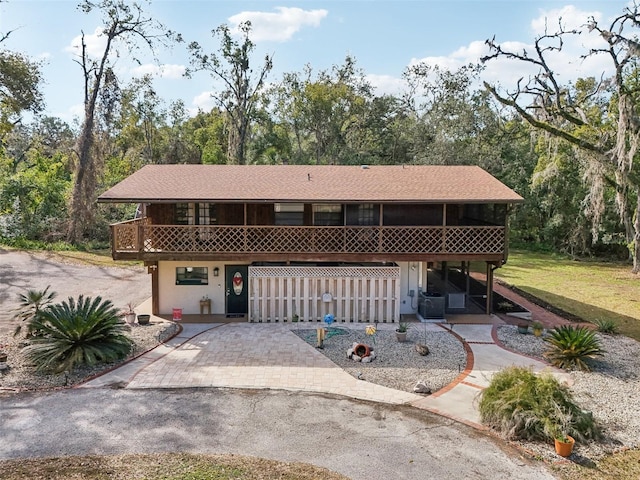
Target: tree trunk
(83, 187)
(635, 246)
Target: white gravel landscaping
(397, 364)
(21, 375)
(611, 391)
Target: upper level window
(289, 213)
(196, 214)
(327, 214)
(366, 214)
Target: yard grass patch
(170, 466)
(591, 290)
(621, 466)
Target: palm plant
(571, 347)
(32, 303)
(86, 332)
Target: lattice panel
(325, 272)
(283, 240)
(363, 240)
(413, 240)
(475, 239)
(125, 237)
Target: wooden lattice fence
(351, 294)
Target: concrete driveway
(361, 440)
(20, 271)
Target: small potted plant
(401, 331)
(563, 443)
(129, 314)
(523, 327)
(537, 328)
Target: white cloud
(171, 71)
(95, 42)
(568, 64)
(386, 84)
(203, 102)
(568, 16)
(280, 26)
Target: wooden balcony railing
(140, 237)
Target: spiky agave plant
(571, 347)
(83, 332)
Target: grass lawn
(170, 466)
(589, 289)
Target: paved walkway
(269, 355)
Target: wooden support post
(489, 276)
(155, 287)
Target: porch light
(216, 271)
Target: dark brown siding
(230, 213)
(162, 213)
(260, 214)
(308, 214)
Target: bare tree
(606, 132)
(126, 29)
(239, 97)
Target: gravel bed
(611, 391)
(397, 364)
(21, 375)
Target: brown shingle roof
(310, 183)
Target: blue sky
(383, 36)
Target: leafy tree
(20, 80)
(453, 122)
(83, 332)
(326, 115)
(33, 198)
(125, 28)
(599, 118)
(140, 122)
(240, 93)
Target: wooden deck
(141, 240)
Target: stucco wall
(188, 297)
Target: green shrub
(571, 347)
(85, 332)
(31, 304)
(522, 405)
(606, 325)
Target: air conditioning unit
(431, 307)
(457, 301)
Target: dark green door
(237, 285)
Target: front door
(237, 285)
